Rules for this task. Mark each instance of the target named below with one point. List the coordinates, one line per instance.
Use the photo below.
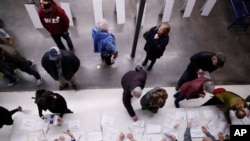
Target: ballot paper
(95, 136)
(153, 129)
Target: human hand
(189, 125)
(62, 138)
(200, 72)
(201, 95)
(134, 118)
(121, 137)
(204, 129)
(173, 137)
(227, 136)
(156, 36)
(42, 117)
(60, 121)
(68, 132)
(220, 136)
(130, 137)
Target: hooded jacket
(56, 22)
(104, 42)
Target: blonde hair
(240, 113)
(166, 28)
(102, 25)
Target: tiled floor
(187, 36)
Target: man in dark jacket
(132, 83)
(6, 115)
(62, 66)
(54, 102)
(200, 62)
(14, 60)
(157, 39)
(56, 22)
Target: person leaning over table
(200, 62)
(132, 83)
(230, 101)
(54, 102)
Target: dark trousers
(212, 101)
(59, 43)
(178, 98)
(28, 69)
(107, 59)
(152, 61)
(186, 76)
(10, 121)
(9, 75)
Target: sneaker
(10, 84)
(74, 86)
(19, 108)
(39, 82)
(63, 87)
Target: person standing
(56, 22)
(133, 83)
(104, 42)
(200, 62)
(6, 115)
(62, 66)
(157, 39)
(14, 60)
(194, 89)
(154, 99)
(54, 102)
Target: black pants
(153, 60)
(213, 101)
(7, 73)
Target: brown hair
(158, 98)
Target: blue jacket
(104, 42)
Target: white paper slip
(106, 120)
(74, 124)
(95, 136)
(27, 124)
(153, 129)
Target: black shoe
(177, 87)
(176, 104)
(63, 87)
(144, 63)
(149, 68)
(74, 86)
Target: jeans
(59, 43)
(178, 98)
(28, 69)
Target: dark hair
(221, 59)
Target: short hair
(136, 92)
(102, 25)
(240, 113)
(166, 28)
(209, 86)
(221, 59)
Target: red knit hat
(218, 90)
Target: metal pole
(138, 26)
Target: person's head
(208, 86)
(240, 113)
(102, 25)
(136, 92)
(219, 60)
(164, 29)
(39, 93)
(46, 5)
(206, 139)
(158, 98)
(54, 54)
